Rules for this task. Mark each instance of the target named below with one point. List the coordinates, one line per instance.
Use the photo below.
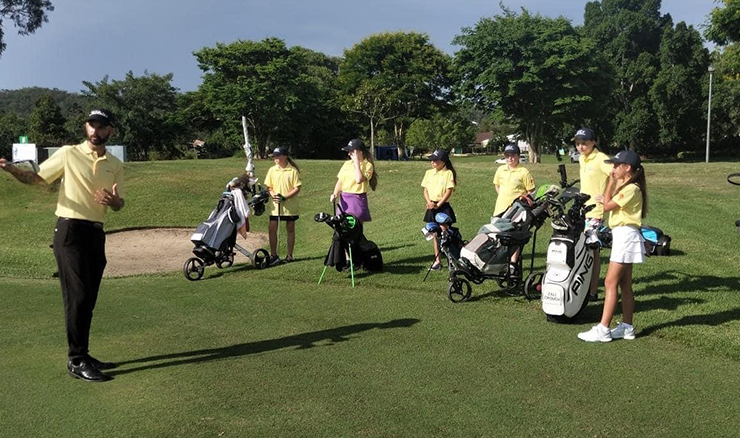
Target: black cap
(101, 115)
(626, 157)
(585, 134)
(279, 151)
(439, 155)
(354, 145)
(511, 148)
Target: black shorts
(446, 208)
(284, 218)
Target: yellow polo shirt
(594, 175)
(282, 181)
(347, 176)
(438, 182)
(83, 173)
(629, 212)
(512, 183)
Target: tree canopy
(396, 77)
(145, 107)
(539, 71)
(26, 15)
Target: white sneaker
(596, 334)
(623, 331)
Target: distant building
(523, 145)
(482, 139)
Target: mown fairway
(272, 354)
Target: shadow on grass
(683, 282)
(712, 319)
(300, 341)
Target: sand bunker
(156, 250)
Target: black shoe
(101, 365)
(85, 371)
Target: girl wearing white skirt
(625, 199)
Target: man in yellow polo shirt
(91, 181)
(511, 180)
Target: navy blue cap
(354, 145)
(101, 115)
(585, 134)
(439, 155)
(511, 148)
(279, 151)
(626, 157)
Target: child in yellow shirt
(283, 181)
(511, 180)
(439, 182)
(625, 199)
(594, 173)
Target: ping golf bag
(570, 259)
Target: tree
(11, 127)
(628, 33)
(26, 15)
(676, 94)
(724, 29)
(145, 108)
(539, 72)
(724, 23)
(398, 77)
(259, 80)
(46, 124)
(441, 132)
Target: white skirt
(628, 246)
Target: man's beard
(97, 141)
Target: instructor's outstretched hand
(111, 199)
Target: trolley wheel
(459, 290)
(193, 269)
(226, 262)
(533, 286)
(261, 258)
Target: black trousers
(79, 248)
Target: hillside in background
(22, 101)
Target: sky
(86, 40)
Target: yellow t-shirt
(83, 173)
(347, 176)
(629, 212)
(283, 181)
(594, 175)
(512, 183)
(438, 182)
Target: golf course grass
(270, 353)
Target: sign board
(117, 151)
(23, 139)
(25, 151)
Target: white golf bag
(570, 262)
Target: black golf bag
(348, 238)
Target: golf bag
(656, 242)
(218, 232)
(215, 238)
(570, 260)
(348, 238)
